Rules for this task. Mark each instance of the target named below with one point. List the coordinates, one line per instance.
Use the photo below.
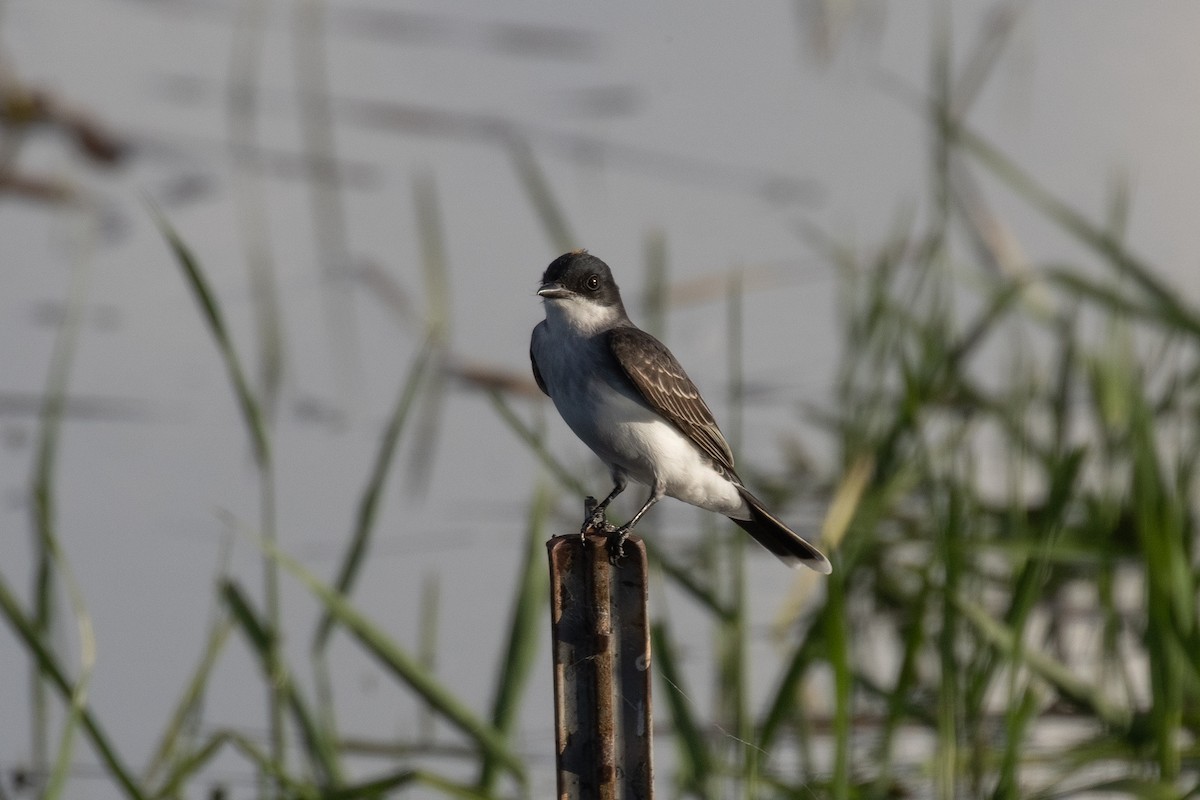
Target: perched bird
(623, 393)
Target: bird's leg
(616, 542)
(595, 519)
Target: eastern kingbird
(623, 393)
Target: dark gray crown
(583, 274)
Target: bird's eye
(593, 282)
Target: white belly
(653, 452)
(633, 440)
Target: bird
(624, 394)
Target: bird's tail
(781, 540)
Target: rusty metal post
(601, 669)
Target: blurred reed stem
(327, 210)
(249, 196)
(257, 431)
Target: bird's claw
(595, 520)
(616, 544)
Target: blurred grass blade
(322, 752)
(51, 560)
(684, 577)
(537, 189)
(328, 215)
(1141, 788)
(732, 674)
(368, 504)
(994, 35)
(380, 787)
(48, 665)
(846, 499)
(188, 707)
(696, 759)
(1018, 715)
(266, 765)
(248, 192)
(1112, 251)
(1171, 585)
(914, 634)
(655, 290)
(1113, 298)
(189, 763)
(1064, 680)
(535, 442)
(61, 771)
(529, 604)
(427, 643)
(437, 327)
(835, 625)
(251, 411)
(408, 669)
(187, 710)
(256, 427)
(787, 699)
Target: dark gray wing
(667, 389)
(537, 374)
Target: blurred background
(370, 192)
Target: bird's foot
(595, 520)
(616, 544)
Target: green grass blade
(696, 759)
(914, 632)
(537, 189)
(785, 702)
(187, 767)
(266, 764)
(834, 633)
(1062, 678)
(368, 504)
(399, 663)
(248, 192)
(684, 577)
(210, 309)
(1107, 245)
(529, 604)
(329, 218)
(187, 710)
(256, 427)
(190, 702)
(381, 786)
(655, 290)
(51, 560)
(77, 703)
(1171, 589)
(263, 640)
(48, 665)
(189, 764)
(535, 443)
(437, 327)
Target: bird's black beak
(552, 291)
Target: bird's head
(578, 289)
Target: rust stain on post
(601, 669)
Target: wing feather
(666, 388)
(537, 373)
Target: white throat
(578, 316)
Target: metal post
(601, 669)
